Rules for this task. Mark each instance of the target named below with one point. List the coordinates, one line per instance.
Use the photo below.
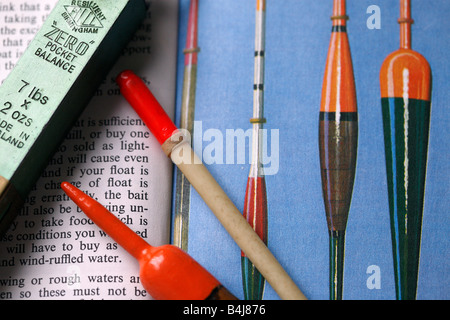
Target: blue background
(297, 39)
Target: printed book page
(52, 250)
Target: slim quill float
(338, 139)
(183, 187)
(255, 205)
(405, 80)
(175, 146)
(166, 272)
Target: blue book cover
(297, 38)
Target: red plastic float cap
(166, 272)
(146, 105)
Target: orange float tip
(339, 16)
(405, 72)
(260, 5)
(146, 106)
(166, 272)
(338, 87)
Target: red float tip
(192, 35)
(146, 105)
(166, 272)
(115, 228)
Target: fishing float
(166, 272)
(255, 205)
(338, 139)
(176, 146)
(405, 83)
(183, 187)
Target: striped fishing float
(183, 187)
(255, 206)
(405, 81)
(338, 139)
